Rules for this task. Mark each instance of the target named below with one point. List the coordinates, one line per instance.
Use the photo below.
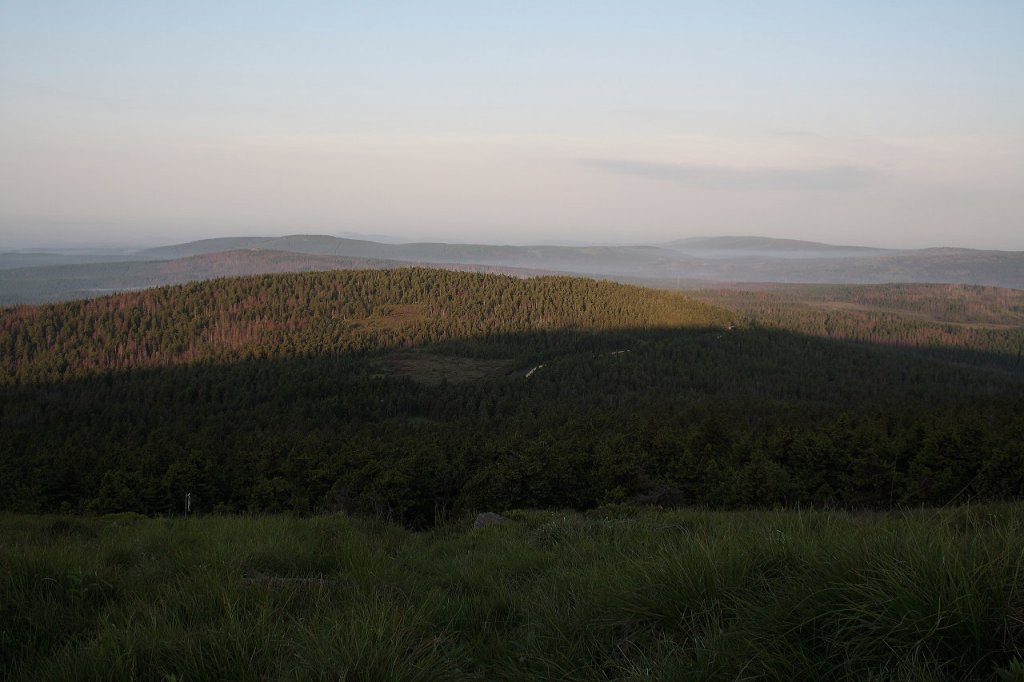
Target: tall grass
(616, 594)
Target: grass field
(612, 594)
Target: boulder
(487, 519)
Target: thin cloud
(732, 178)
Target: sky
(874, 122)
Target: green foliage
(279, 397)
(614, 594)
(962, 323)
(327, 313)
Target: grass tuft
(613, 594)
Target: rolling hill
(591, 260)
(90, 280)
(738, 247)
(35, 278)
(362, 405)
(414, 394)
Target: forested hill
(416, 394)
(314, 314)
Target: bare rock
(487, 519)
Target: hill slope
(941, 320)
(415, 394)
(335, 312)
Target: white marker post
(188, 503)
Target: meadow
(616, 593)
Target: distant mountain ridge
(89, 280)
(28, 277)
(770, 246)
(588, 259)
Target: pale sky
(870, 122)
